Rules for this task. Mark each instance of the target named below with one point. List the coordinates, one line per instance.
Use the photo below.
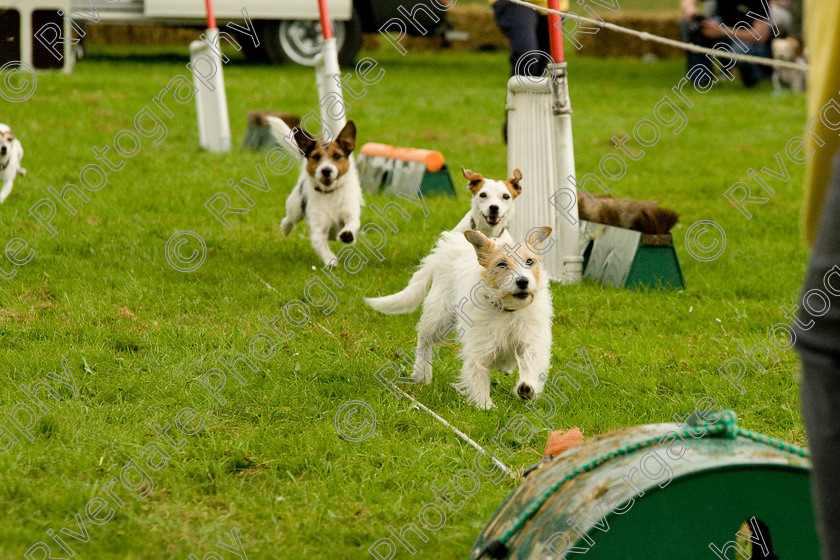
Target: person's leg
(527, 32)
(519, 24)
(751, 74)
(543, 42)
(820, 397)
(691, 34)
(818, 345)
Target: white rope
(460, 434)
(645, 36)
(267, 285)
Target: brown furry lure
(258, 118)
(640, 215)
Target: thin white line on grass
(328, 331)
(267, 285)
(460, 434)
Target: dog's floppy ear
(304, 142)
(513, 183)
(483, 246)
(475, 179)
(540, 236)
(347, 137)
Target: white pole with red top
(210, 98)
(211, 15)
(564, 201)
(328, 76)
(555, 32)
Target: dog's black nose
(326, 172)
(522, 283)
(3, 150)
(494, 210)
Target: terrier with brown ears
(492, 204)
(492, 207)
(497, 302)
(11, 152)
(328, 194)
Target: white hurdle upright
(328, 82)
(540, 146)
(328, 75)
(327, 78)
(211, 104)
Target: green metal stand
(629, 259)
(391, 176)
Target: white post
(210, 98)
(540, 145)
(328, 80)
(564, 198)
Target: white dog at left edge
(11, 152)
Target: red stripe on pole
(211, 16)
(326, 26)
(555, 32)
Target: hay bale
(476, 20)
(141, 34)
(484, 34)
(609, 44)
(371, 42)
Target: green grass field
(137, 334)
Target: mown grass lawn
(137, 334)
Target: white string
(645, 36)
(267, 285)
(460, 434)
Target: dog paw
(330, 262)
(486, 404)
(346, 236)
(425, 379)
(459, 388)
(525, 391)
(21, 171)
(285, 227)
(478, 401)
(422, 372)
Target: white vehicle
(289, 30)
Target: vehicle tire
(299, 40)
